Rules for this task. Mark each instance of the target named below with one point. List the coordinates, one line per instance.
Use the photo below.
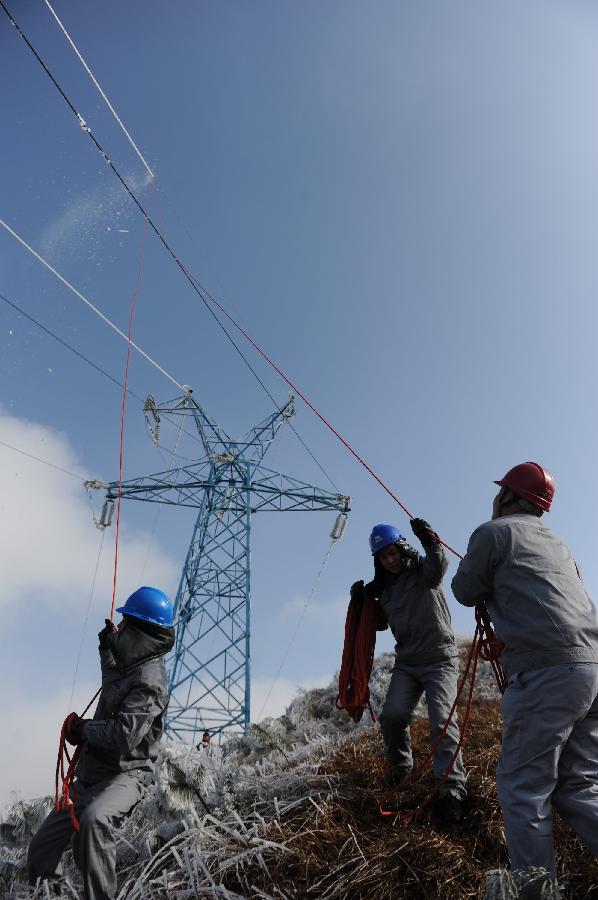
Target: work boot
(449, 810)
(394, 775)
(536, 884)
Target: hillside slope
(291, 811)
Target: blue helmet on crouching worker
(151, 605)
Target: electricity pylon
(209, 667)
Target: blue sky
(399, 200)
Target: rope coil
(66, 765)
(354, 692)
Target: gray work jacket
(127, 725)
(414, 607)
(533, 591)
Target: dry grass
(312, 828)
(340, 847)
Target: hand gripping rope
(64, 794)
(486, 645)
(66, 765)
(354, 692)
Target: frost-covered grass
(290, 811)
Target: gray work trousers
(99, 808)
(438, 680)
(549, 758)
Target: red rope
(421, 769)
(64, 792)
(484, 646)
(308, 403)
(354, 692)
(358, 659)
(123, 410)
(490, 647)
(64, 795)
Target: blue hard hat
(149, 604)
(383, 536)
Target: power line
(89, 362)
(87, 302)
(201, 292)
(44, 461)
(103, 95)
(85, 621)
(85, 127)
(52, 334)
(306, 605)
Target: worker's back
(534, 593)
(128, 722)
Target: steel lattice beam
(209, 668)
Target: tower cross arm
(256, 442)
(183, 486)
(275, 492)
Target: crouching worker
(119, 745)
(410, 600)
(549, 626)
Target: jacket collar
(133, 645)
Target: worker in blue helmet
(407, 588)
(119, 745)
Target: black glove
(73, 728)
(358, 594)
(373, 589)
(108, 629)
(424, 531)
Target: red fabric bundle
(358, 658)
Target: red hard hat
(532, 482)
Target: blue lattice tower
(209, 668)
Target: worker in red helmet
(408, 591)
(549, 626)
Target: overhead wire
(86, 359)
(102, 94)
(136, 290)
(44, 461)
(199, 289)
(204, 294)
(87, 130)
(84, 126)
(293, 637)
(159, 509)
(87, 302)
(64, 343)
(86, 619)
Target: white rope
(84, 629)
(89, 304)
(159, 510)
(103, 95)
(298, 626)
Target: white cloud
(327, 613)
(30, 733)
(48, 539)
(49, 550)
